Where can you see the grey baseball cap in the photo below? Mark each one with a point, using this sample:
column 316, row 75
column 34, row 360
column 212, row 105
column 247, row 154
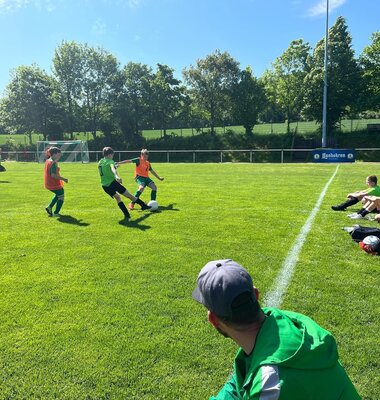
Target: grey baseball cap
column 218, row 285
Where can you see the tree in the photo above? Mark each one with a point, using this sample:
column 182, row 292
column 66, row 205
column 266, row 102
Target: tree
column 167, row 94
column 248, row 100
column 211, row 82
column 288, row 74
column 68, row 67
column 370, row 61
column 131, row 102
column 32, row 103
column 99, row 79
column 344, row 77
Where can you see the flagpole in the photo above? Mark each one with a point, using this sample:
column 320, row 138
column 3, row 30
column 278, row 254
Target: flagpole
column 324, row 116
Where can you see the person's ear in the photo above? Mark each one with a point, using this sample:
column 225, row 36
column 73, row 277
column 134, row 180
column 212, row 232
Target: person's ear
column 257, row 293
column 213, row 319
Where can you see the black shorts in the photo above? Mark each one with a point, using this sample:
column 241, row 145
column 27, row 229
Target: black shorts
column 113, row 188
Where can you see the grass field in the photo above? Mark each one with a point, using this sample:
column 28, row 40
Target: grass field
column 94, row 309
column 263, row 129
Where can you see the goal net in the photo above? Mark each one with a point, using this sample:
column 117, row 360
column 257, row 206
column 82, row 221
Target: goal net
column 71, row 150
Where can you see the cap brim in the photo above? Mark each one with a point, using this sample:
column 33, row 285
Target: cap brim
column 197, row 295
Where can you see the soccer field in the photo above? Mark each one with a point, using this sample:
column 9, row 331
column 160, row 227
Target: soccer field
column 94, row 309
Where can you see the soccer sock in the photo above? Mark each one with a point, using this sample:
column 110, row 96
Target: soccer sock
column 361, row 210
column 59, row 206
column 137, row 194
column 53, row 201
column 123, row 209
column 364, row 212
column 153, row 195
column 140, row 202
column 349, row 202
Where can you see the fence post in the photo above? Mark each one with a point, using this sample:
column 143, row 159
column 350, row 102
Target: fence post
column 193, row 156
column 221, row 156
column 167, row 157
column 282, row 156
column 96, row 156
column 16, row 155
column 250, row 156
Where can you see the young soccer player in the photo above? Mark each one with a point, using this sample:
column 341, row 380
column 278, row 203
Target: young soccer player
column 111, row 182
column 353, row 198
column 54, row 181
column 142, row 169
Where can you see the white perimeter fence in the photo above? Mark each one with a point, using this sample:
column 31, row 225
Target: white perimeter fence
column 219, row 156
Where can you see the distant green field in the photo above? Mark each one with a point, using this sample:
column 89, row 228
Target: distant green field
column 262, row 129
column 93, row 309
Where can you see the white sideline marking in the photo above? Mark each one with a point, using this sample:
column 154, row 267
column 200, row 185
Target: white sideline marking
column 274, row 297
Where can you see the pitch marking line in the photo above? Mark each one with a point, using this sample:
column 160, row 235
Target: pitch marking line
column 274, row 297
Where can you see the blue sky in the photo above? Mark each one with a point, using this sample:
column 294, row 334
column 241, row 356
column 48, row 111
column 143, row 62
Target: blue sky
column 173, row 32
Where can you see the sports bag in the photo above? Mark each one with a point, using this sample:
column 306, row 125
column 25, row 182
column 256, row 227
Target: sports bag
column 360, row 232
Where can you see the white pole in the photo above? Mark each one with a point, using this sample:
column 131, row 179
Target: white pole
column 324, row 117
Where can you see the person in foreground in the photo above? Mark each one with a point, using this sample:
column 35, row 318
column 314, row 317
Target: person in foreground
column 54, row 181
column 112, row 183
column 354, row 198
column 283, row 355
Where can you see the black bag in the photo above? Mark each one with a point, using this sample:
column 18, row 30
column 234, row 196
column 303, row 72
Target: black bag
column 360, row 232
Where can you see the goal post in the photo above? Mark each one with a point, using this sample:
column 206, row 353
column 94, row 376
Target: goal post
column 71, row 150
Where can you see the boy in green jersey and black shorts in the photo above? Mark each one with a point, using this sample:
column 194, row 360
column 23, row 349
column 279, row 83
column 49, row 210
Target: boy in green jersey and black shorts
column 111, row 182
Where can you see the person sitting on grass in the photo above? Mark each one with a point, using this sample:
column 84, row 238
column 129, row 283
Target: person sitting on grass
column 354, row 198
column 54, row 181
column 370, row 204
column 283, row 354
column 111, row 182
column 142, row 169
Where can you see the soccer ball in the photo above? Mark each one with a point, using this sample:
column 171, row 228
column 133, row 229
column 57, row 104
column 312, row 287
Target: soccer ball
column 153, row 205
column 370, row 244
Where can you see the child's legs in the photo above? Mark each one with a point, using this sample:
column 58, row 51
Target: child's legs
column 53, row 200
column 128, row 195
column 61, row 199
column 153, row 194
column 139, row 191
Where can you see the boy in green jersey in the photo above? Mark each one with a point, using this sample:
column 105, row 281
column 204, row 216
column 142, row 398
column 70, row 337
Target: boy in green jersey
column 283, row 355
column 354, row 198
column 111, row 182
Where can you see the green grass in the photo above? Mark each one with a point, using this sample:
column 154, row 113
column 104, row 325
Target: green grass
column 93, row 309
column 262, row 129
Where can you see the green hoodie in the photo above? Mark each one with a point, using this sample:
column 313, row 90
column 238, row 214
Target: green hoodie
column 293, row 359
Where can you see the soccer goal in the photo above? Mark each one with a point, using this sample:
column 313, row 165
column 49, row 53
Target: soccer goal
column 71, row 150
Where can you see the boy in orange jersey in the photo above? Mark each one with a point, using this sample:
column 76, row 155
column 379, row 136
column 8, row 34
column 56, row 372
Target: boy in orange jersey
column 54, row 181
column 142, row 169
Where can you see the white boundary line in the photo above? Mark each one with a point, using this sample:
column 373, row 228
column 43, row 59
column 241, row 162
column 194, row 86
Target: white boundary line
column 274, row 297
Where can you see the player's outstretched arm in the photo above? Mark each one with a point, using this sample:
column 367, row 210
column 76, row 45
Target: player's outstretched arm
column 156, row 175
column 117, row 177
column 124, row 162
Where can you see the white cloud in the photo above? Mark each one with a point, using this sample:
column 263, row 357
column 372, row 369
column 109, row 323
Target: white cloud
column 99, row 27
column 14, row 5
column 320, row 8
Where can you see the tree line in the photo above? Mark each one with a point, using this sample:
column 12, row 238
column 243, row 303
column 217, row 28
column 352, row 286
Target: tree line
column 89, row 90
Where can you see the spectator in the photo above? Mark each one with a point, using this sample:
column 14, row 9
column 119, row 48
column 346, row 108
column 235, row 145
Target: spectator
column 283, row 355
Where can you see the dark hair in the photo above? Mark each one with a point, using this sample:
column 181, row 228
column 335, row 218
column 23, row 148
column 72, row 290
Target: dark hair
column 246, row 310
column 52, row 150
column 373, row 179
column 107, row 151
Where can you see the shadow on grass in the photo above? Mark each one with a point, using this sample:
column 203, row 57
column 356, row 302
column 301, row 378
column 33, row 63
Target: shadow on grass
column 68, row 219
column 5, row 181
column 135, row 223
column 169, row 207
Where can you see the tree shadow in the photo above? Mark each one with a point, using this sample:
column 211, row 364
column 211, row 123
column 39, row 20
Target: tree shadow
column 68, row 219
column 135, row 223
column 5, row 182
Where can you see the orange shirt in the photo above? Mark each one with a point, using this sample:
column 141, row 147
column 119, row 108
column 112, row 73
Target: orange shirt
column 51, row 183
column 142, row 168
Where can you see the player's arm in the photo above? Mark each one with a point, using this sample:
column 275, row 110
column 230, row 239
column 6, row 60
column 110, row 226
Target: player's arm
column 155, row 174
column 54, row 174
column 124, row 162
column 117, row 177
